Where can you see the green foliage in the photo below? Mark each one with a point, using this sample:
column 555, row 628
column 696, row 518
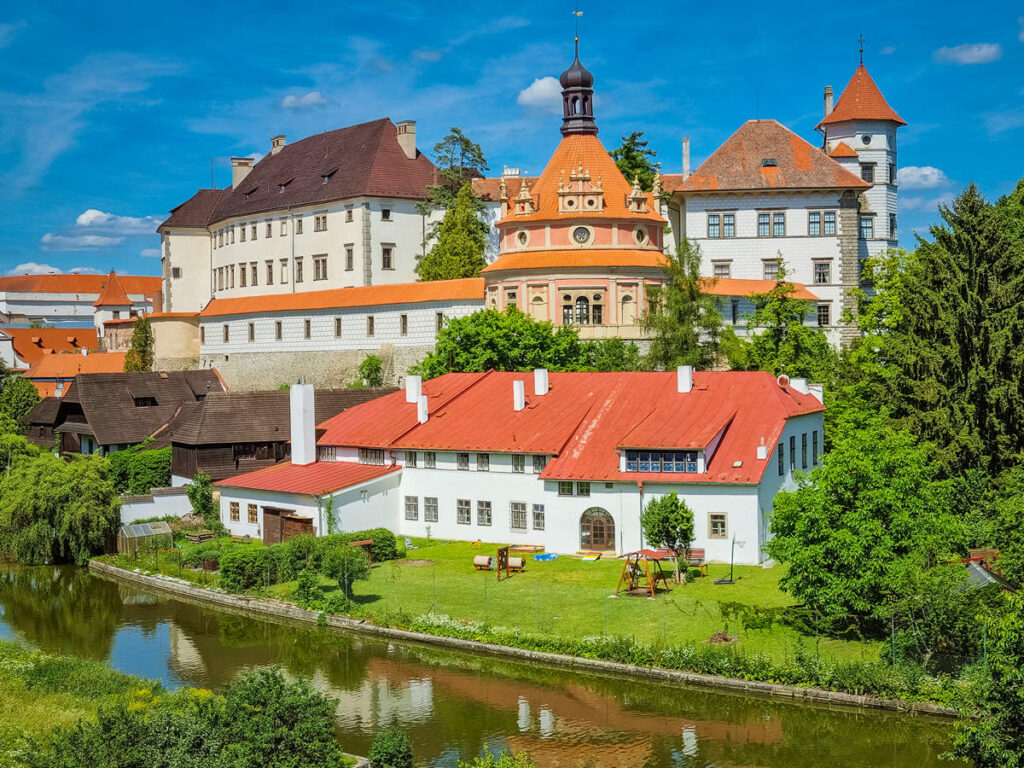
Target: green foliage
column 457, row 158
column 684, row 321
column 307, row 592
column 346, row 565
column 391, row 748
column 200, row 496
column 501, row 760
column 245, row 568
column 612, row 354
column 460, row 241
column 140, row 354
column 991, row 732
column 18, row 397
column 636, row 160
column 668, row 522
column 138, row 469
column 371, row 371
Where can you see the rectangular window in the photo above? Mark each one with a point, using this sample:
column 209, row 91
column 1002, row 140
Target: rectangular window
column 430, row 509
column 463, row 512
column 242, row 232
column 284, row 271
column 538, row 517
column 734, row 308
column 349, row 259
column 483, row 513
column 814, row 223
column 803, row 451
column 822, row 273
column 243, row 275
column 728, row 225
column 270, row 273
column 867, row 227
column 892, row 226
column 778, row 225
column 225, row 331
column 348, row 213
column 714, row 225
column 722, row 270
column 483, row 462
column 717, row 528
column 892, row 173
column 792, row 452
column 385, row 214
column 582, row 489
column 462, row 461
column 320, row 222
column 763, row 225
column 202, row 334
column 369, row 325
column 270, row 229
column 371, row 456
column 320, row 267
column 438, row 321
column 429, row 459
column 307, row 328
column 410, row 458
column 814, row 447
column 830, row 222
column 867, row 172
column 252, row 332
column 231, row 279
column 253, row 517
column 298, row 270
column 176, row 272
column 252, row 230
column 234, row 511
column 412, row 507
column 824, row 314
column 284, row 227
column 298, row 225
column 564, row 488
column 278, row 330
column 518, row 463
column 771, row 269
column 337, row 327
column 782, row 460
column 539, row 462
column 518, row 515
column 403, row 325
column 326, row 453
column 386, row 259
column 253, row 273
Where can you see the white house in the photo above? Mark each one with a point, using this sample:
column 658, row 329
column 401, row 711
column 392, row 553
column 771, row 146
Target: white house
column 563, row 460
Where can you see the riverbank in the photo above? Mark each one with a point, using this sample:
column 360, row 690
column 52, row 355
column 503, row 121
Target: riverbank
column 442, row 633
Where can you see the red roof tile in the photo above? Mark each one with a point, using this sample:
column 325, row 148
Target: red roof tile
column 155, row 315
column 69, row 364
column 861, row 100
column 842, row 149
column 309, row 479
column 113, row 293
column 734, row 286
column 743, row 162
column 490, row 189
column 467, row 289
column 30, row 344
column 134, row 284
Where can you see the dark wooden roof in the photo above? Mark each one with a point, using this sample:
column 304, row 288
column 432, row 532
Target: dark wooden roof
column 250, row 417
column 45, row 412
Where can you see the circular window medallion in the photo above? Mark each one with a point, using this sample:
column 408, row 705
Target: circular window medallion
column 522, row 238
column 866, row 139
column 570, row 203
column 639, row 236
column 581, row 235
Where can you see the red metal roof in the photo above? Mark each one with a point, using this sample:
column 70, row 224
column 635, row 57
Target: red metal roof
column 861, row 100
column 30, row 344
column 310, row 479
column 585, row 418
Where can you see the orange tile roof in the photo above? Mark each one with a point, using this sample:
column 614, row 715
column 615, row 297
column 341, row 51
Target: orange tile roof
column 578, row 257
column 121, row 321
column 133, row 284
column 739, row 164
column 861, row 100
column 113, row 293
column 490, row 189
column 842, row 149
column 68, row 365
column 308, row 479
column 572, row 151
column 733, row 286
column 30, row 344
column 467, row 289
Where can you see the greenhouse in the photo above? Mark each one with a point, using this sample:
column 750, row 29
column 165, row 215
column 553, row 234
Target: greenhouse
column 145, row 537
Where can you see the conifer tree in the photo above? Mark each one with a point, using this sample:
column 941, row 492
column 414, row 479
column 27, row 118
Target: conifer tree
column 140, row 356
column 461, row 239
column 635, row 160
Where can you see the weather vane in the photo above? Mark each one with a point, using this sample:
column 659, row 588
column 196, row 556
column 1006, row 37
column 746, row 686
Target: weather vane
column 861, row 38
column 576, row 18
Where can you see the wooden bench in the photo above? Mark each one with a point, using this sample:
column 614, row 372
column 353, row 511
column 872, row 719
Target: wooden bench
column 366, row 545
column 482, row 562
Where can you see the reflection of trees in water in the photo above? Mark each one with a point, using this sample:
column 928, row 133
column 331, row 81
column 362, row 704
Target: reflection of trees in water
column 60, row 609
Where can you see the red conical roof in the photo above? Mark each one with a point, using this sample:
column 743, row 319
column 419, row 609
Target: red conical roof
column 861, row 100
column 113, row 294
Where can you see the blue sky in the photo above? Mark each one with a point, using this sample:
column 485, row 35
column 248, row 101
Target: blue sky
column 111, row 112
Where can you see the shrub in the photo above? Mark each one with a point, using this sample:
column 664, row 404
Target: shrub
column 307, row 592
column 345, row 565
column 371, row 371
column 246, row 567
column 391, row 748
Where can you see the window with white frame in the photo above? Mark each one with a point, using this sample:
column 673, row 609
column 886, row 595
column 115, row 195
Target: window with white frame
column 463, row 512
column 429, row 460
column 728, row 225
column 582, row 489
column 822, row 272
column 539, row 462
column 517, row 510
column 483, row 513
column 430, row 509
column 661, row 461
column 371, row 456
column 518, row 463
column 564, row 488
column 538, row 517
column 483, row 462
column 722, row 270
column 412, row 507
column 718, row 525
column 320, row 267
column 462, row 461
column 771, row 269
column 410, row 458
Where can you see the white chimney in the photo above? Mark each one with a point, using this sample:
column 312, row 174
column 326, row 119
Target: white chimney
column 828, row 100
column 85, row 352
column 684, row 378
column 303, row 426
column 407, row 137
column 240, row 167
column 686, row 157
column 518, row 395
column 413, row 388
column 818, row 390
column 762, row 451
column 277, row 144
column 800, row 385
column 59, row 389
column 422, row 412
column 540, row 381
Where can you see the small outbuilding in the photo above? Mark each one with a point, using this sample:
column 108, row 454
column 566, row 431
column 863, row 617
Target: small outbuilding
column 145, row 537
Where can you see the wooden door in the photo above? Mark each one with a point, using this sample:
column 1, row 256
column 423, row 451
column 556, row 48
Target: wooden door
column 292, row 525
column 272, row 525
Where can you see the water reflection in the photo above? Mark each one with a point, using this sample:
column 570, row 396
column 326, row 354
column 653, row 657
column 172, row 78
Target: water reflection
column 454, row 704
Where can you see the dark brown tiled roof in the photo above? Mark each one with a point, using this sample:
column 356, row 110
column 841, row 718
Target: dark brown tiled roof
column 363, row 159
column 107, row 401
column 764, row 154
column 44, row 413
column 244, row 417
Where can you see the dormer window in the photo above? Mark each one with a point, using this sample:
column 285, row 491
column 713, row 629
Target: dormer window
column 661, row 461
column 145, row 402
column 769, row 162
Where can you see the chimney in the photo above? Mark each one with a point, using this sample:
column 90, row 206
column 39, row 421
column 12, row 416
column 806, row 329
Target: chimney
column 686, row 157
column 407, row 137
column 800, row 385
column 518, row 395
column 684, row 378
column 762, row 451
column 59, row 389
column 818, row 390
column 422, row 413
column 277, row 144
column 413, row 388
column 303, row 424
column 85, row 352
column 540, row 381
column 828, row 100
column 240, row 167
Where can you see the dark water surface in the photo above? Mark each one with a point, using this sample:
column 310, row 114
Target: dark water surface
column 454, row 704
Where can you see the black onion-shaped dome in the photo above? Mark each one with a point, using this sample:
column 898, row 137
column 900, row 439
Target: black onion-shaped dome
column 577, row 76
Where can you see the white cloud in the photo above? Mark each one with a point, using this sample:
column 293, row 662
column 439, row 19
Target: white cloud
column 921, row 177
column 925, row 203
column 150, row 253
column 35, row 268
column 118, row 225
column 543, row 93
column 8, row 31
column 306, row 101
column 970, row 53
column 998, row 122
column 888, row 50
column 52, row 242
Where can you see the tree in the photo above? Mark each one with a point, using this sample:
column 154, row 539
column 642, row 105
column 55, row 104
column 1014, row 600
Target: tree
column 17, row 398
column 635, row 160
column 346, row 565
column 685, row 321
column 457, row 158
column 612, row 354
column 668, row 522
column 200, row 496
column 391, row 748
column 991, row 731
column 371, row 371
column 460, row 241
column 140, row 355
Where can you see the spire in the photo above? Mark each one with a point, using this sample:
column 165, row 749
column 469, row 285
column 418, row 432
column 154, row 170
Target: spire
column 861, row 38
column 861, row 100
column 577, row 97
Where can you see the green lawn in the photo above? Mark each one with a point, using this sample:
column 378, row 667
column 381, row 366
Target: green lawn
column 571, row 597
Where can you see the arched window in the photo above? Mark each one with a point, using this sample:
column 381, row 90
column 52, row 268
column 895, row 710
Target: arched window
column 628, row 314
column 582, row 311
column 597, row 530
column 575, row 105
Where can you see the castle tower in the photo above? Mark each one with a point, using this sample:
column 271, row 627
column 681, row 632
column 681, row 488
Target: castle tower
column 577, row 98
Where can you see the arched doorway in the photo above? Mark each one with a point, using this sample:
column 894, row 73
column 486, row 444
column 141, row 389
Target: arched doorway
column 597, row 530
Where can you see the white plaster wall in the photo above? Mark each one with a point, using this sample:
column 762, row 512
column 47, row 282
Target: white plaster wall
column 157, row 505
column 70, row 309
column 189, row 251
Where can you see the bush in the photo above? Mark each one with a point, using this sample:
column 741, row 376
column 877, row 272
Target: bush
column 391, row 749
column 246, row 567
column 345, row 565
column 371, row 371
column 307, row 592
column 139, row 469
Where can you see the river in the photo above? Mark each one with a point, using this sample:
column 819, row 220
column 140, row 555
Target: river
column 454, row 704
